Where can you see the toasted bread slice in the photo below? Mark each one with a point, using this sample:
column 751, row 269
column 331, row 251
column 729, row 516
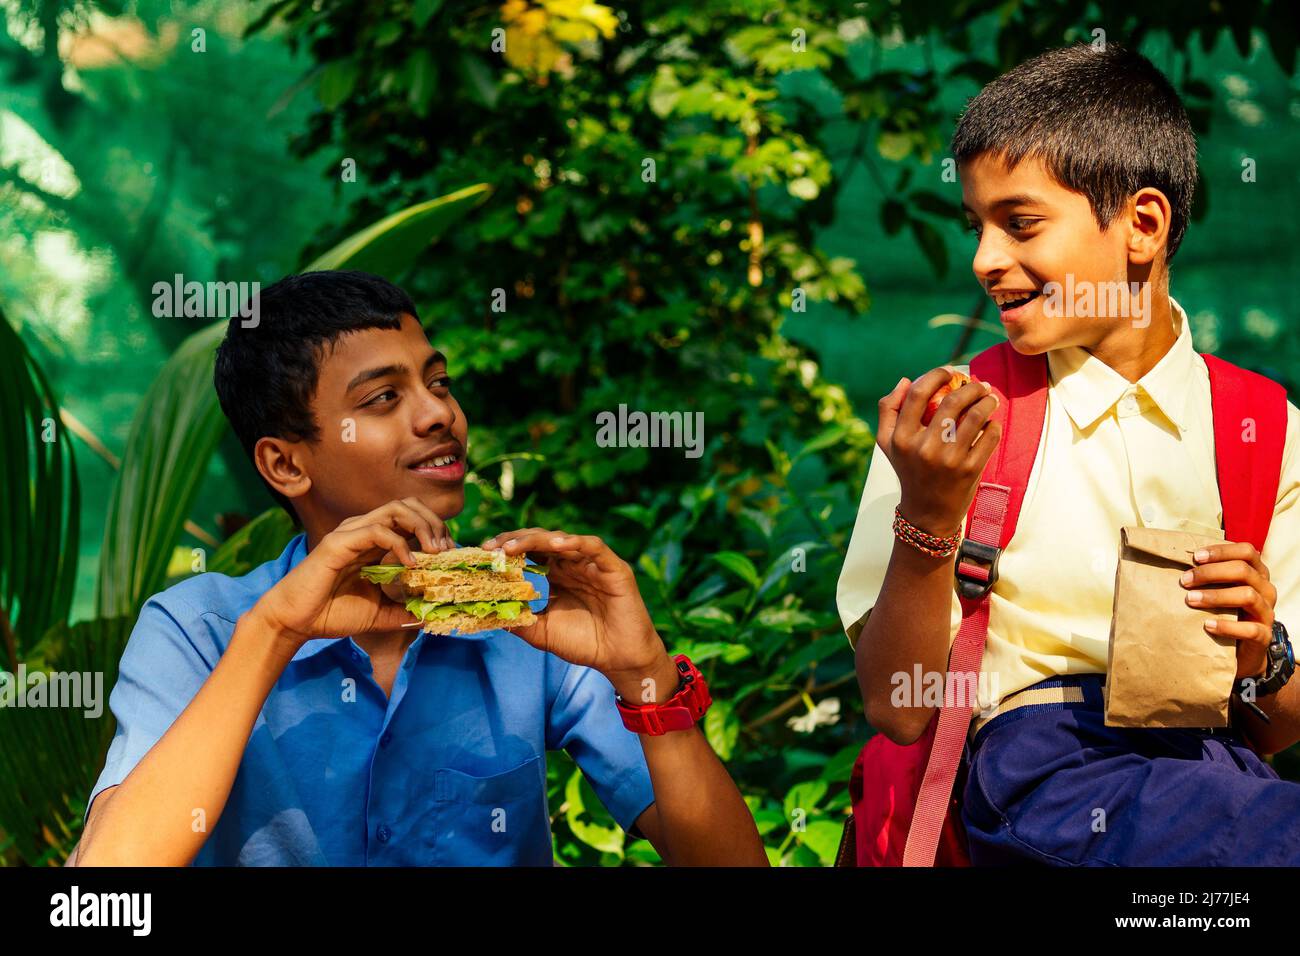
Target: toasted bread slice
column 476, row 558
column 469, row 624
column 461, row 592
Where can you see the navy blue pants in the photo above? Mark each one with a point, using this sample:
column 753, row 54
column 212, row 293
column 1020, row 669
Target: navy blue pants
column 1053, row 784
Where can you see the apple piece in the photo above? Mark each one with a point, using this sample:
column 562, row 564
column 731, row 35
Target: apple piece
column 955, row 381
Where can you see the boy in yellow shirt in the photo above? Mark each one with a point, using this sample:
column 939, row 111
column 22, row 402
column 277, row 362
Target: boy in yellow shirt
column 1078, row 169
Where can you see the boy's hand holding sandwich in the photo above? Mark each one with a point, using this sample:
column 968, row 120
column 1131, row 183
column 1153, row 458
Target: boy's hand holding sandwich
column 595, row 616
column 326, row 596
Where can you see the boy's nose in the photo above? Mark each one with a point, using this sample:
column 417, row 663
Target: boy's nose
column 991, row 261
column 433, row 414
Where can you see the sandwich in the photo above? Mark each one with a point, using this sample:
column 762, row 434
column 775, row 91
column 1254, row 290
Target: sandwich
column 464, row 590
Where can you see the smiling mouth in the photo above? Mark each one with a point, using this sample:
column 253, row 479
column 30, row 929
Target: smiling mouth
column 1006, row 301
column 441, row 467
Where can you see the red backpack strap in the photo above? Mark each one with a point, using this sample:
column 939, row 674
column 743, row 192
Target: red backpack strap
column 1020, row 382
column 1249, row 435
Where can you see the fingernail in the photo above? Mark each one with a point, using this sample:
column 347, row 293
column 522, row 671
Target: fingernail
column 1193, row 597
column 900, row 383
column 1187, row 577
column 1202, row 555
column 559, row 539
column 1211, row 625
column 489, row 543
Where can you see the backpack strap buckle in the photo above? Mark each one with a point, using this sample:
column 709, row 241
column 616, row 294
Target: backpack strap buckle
column 976, row 568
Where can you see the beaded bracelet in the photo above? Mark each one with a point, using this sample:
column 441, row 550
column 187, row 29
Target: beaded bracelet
column 930, row 544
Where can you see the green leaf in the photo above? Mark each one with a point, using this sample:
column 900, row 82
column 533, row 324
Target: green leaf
column 826, row 439
column 634, row 512
column 422, row 75
column 480, row 82
column 337, row 82
column 173, row 436
column 739, row 565
column 39, row 503
column 606, row 839
column 823, row 838
column 702, row 651
column 932, row 244
column 893, row 214
column 262, row 539
column 709, row 617
column 665, row 90
column 722, row 729
column 804, row 796
column 392, row 245
column 434, row 611
column 425, row 10
column 936, row 205
column 382, row 573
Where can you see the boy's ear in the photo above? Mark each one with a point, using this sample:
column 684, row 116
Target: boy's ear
column 281, row 464
column 1149, row 222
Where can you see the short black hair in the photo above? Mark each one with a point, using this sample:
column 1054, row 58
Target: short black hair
column 266, row 374
column 1103, row 120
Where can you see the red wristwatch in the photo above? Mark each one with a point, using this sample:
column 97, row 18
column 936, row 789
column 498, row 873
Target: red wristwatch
column 679, row 712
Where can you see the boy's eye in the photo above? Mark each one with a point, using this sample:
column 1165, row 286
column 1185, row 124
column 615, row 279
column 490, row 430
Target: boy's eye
column 441, row 382
column 376, row 399
column 1018, row 224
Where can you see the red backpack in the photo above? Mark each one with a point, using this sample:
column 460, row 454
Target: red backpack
column 906, row 810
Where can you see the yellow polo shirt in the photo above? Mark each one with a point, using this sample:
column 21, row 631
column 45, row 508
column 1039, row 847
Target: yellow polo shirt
column 1113, row 453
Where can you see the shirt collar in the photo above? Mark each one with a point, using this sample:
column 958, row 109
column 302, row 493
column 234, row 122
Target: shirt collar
column 1088, row 387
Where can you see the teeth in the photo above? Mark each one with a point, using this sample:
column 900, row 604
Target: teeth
column 1002, row 298
column 437, row 462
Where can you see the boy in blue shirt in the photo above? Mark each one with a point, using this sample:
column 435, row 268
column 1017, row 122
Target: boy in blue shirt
column 293, row 716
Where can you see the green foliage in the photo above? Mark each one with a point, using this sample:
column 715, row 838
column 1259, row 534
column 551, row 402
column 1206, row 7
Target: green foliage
column 393, row 243
column 40, row 502
column 172, row 439
column 52, row 755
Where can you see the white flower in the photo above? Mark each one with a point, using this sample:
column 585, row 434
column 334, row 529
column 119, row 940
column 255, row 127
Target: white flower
column 826, row 712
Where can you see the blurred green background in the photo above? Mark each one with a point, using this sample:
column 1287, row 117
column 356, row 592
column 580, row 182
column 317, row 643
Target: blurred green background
column 794, row 252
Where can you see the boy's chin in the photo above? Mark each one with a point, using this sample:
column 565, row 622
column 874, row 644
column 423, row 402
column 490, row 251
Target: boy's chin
column 444, row 500
column 1026, row 341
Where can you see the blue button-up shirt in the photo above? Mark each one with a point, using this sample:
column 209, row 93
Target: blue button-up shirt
column 449, row 770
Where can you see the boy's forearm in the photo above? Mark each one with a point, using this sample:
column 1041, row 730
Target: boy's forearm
column 152, row 818
column 702, row 817
column 910, row 624
column 1283, row 729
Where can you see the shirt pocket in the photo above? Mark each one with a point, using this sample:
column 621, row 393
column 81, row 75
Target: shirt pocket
column 496, row 820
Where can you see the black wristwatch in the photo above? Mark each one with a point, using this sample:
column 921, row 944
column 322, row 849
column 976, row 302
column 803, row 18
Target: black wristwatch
column 1281, row 665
